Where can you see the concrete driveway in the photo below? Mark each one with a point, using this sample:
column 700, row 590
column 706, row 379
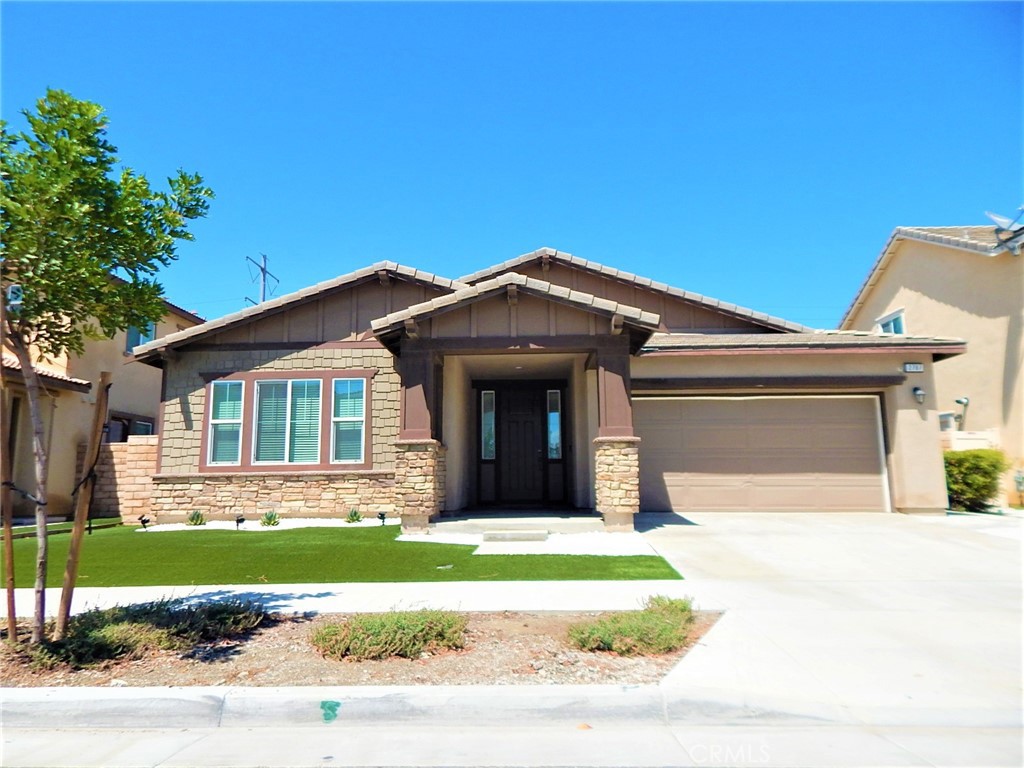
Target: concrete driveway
column 886, row 621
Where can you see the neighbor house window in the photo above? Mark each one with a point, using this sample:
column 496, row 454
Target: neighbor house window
column 287, row 429
column 892, row 323
column 348, row 421
column 226, row 423
column 137, row 336
column 554, row 424
column 487, row 433
column 947, row 421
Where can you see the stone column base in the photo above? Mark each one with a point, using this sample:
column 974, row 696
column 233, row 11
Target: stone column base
column 419, row 483
column 617, row 481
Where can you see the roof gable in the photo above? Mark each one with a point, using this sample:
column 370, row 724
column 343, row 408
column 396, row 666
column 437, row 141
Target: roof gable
column 974, row 239
column 728, row 317
column 384, row 270
column 639, row 323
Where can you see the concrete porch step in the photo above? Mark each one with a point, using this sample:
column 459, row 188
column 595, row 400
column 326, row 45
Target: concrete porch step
column 551, row 523
column 522, row 534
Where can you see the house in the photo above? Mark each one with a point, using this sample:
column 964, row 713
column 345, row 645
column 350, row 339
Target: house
column 547, row 381
column 70, row 384
column 964, row 282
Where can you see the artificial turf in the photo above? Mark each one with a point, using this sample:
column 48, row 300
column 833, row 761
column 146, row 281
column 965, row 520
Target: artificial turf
column 119, row 557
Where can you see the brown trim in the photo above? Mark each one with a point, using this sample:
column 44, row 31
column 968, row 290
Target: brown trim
column 249, row 379
column 271, row 346
column 198, row 476
column 515, row 345
column 750, row 382
column 862, row 349
column 208, row 376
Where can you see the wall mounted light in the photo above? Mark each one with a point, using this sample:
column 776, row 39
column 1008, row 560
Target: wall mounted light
column 919, row 395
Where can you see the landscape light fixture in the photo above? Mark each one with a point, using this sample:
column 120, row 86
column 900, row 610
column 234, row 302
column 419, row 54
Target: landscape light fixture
column 238, row 521
column 381, row 516
column 961, row 417
column 145, row 521
column 919, row 395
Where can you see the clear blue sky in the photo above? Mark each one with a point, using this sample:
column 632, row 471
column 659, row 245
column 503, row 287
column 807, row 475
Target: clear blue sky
column 757, row 153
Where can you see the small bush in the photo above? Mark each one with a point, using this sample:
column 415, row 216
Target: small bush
column 662, row 626
column 353, row 516
column 972, row 477
column 129, row 632
column 195, row 517
column 270, row 519
column 382, row 635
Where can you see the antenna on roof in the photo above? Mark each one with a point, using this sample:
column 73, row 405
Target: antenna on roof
column 261, row 267
column 1009, row 232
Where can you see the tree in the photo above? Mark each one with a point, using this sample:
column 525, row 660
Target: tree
column 84, row 242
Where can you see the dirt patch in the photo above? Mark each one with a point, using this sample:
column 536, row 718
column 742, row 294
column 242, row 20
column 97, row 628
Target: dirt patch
column 501, row 649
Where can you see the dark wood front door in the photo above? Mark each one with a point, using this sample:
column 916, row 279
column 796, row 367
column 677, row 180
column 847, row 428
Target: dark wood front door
column 521, row 443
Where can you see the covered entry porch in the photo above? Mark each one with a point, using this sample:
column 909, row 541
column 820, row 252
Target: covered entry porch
column 515, row 400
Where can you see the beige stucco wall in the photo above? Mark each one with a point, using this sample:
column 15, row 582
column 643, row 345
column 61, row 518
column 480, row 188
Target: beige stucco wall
column 914, row 453
column 950, row 292
column 185, row 403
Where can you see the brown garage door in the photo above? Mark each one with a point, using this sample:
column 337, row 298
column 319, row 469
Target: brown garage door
column 768, row 454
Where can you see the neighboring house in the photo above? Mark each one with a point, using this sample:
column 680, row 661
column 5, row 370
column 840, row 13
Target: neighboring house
column 958, row 281
column 545, row 382
column 70, row 383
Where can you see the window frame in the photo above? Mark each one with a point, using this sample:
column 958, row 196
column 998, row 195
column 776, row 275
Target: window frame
column 363, row 420
column 324, row 463
column 289, row 383
column 900, row 315
column 144, row 338
column 211, row 422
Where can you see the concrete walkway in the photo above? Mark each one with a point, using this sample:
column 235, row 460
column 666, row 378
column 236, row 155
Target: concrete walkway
column 848, row 640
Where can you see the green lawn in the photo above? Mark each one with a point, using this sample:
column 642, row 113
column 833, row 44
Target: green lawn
column 123, row 557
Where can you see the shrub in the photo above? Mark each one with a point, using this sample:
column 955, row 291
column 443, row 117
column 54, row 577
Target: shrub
column 129, row 632
column 972, row 477
column 353, row 516
column 270, row 519
column 195, row 517
column 662, row 626
column 382, row 635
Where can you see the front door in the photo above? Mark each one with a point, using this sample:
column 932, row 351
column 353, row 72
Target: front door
column 521, row 451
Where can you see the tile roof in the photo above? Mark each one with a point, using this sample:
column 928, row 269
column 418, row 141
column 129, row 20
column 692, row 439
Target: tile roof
column 979, row 239
column 529, row 285
column 148, row 351
column 10, row 362
column 816, row 340
column 760, row 318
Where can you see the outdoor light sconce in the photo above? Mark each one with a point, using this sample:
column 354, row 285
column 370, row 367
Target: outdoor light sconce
column 238, row 522
column 145, row 521
column 919, row 395
column 381, row 516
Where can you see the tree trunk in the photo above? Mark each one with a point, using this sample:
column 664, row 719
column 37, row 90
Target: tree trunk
column 40, row 452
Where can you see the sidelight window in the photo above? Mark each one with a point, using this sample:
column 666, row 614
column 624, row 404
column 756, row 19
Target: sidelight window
column 488, row 438
column 554, row 424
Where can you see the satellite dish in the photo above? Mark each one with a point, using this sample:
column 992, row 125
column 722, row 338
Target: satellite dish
column 1009, row 232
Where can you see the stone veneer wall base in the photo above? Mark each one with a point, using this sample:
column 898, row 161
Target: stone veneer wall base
column 319, row 494
column 419, row 483
column 617, row 481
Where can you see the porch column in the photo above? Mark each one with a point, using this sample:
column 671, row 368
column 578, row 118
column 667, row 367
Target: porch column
column 420, row 459
column 616, row 448
column 417, row 372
